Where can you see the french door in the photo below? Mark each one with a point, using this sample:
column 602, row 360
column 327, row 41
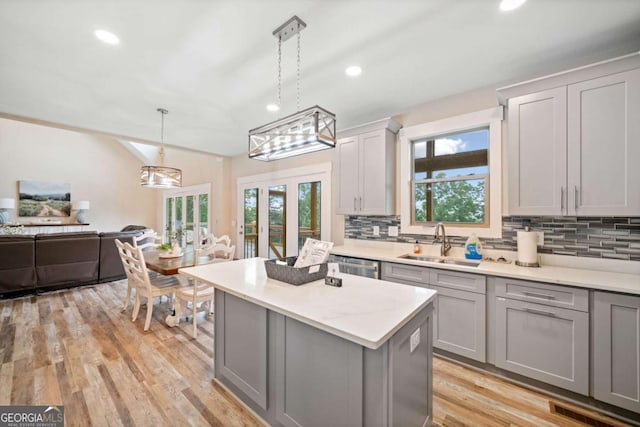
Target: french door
column 277, row 212
column 186, row 215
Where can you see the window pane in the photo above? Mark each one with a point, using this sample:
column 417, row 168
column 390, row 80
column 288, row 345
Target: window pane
column 277, row 221
column 463, row 154
column 251, row 223
column 308, row 212
column 460, row 201
column 179, row 223
column 189, row 221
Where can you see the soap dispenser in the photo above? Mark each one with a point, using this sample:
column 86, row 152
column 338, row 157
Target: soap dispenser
column 416, row 248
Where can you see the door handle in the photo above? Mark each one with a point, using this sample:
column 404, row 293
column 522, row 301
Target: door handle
column 360, row 203
column 562, row 199
column 542, row 312
column 239, row 232
column 575, row 196
column 354, row 203
column 537, row 295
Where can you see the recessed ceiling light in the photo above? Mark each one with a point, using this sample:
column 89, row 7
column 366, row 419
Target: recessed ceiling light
column 507, row 5
column 272, row 107
column 353, row 71
column 107, row 37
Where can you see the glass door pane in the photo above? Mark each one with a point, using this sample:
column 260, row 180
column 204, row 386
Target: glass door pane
column 179, row 227
column 251, row 216
column 169, row 225
column 309, row 203
column 203, row 212
column 189, row 225
column 277, row 221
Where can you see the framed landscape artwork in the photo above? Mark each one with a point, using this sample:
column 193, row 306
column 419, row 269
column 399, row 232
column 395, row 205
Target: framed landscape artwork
column 44, row 199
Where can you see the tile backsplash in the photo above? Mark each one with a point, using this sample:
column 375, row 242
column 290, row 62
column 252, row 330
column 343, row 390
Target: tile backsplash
column 598, row 237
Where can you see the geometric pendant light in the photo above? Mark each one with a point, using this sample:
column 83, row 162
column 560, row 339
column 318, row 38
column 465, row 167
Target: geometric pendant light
column 303, row 132
column 161, row 176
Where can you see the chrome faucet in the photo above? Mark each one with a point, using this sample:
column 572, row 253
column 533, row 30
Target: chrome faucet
column 446, row 245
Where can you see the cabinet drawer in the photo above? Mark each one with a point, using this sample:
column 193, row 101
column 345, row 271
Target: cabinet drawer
column 409, row 274
column 543, row 293
column 461, row 281
column 549, row 344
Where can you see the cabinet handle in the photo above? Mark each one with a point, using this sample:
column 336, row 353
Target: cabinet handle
column 375, row 272
column 575, row 196
column 537, row 295
column 562, row 199
column 354, row 203
column 542, row 312
column 360, row 203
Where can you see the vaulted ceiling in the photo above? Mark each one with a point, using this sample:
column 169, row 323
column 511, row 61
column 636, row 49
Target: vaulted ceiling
column 213, row 65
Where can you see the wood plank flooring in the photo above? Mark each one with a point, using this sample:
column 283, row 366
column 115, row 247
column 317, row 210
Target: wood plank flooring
column 78, row 349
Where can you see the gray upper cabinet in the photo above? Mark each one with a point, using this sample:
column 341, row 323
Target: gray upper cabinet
column 572, row 145
column 537, row 153
column 603, row 135
column 365, row 160
column 616, row 349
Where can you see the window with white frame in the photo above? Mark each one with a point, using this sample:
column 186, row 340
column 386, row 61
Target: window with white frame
column 451, row 170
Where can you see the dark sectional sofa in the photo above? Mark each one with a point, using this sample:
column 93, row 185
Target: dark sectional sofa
column 43, row 262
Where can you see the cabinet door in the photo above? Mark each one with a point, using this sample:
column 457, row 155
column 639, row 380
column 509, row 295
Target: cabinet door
column 459, row 323
column 373, row 182
column 616, row 350
column 537, row 153
column 545, row 343
column 603, row 145
column 347, row 153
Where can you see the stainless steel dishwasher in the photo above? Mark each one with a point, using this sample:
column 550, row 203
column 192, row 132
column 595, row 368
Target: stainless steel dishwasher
column 357, row 266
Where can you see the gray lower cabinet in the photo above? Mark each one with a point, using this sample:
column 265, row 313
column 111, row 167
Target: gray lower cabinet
column 459, row 323
column 546, row 343
column 293, row 374
column 616, row 349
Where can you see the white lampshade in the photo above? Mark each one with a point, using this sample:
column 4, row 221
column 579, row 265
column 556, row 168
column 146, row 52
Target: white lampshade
column 7, row 203
column 82, row 204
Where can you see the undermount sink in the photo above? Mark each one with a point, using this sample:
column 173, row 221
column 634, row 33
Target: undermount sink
column 421, row 258
column 461, row 262
column 454, row 261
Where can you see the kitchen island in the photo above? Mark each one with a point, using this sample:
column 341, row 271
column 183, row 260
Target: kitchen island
column 320, row 355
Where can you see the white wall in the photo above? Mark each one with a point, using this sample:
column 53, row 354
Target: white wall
column 459, row 104
column 100, row 169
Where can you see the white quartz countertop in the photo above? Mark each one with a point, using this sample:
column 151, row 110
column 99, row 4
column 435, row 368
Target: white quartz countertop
column 581, row 277
column 365, row 311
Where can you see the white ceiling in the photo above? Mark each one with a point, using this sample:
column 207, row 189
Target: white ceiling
column 212, row 64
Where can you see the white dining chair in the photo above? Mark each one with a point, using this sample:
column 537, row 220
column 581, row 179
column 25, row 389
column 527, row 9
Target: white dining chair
column 198, row 293
column 148, row 239
column 138, row 279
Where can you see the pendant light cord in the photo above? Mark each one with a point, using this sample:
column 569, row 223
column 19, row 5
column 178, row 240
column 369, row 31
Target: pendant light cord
column 279, row 70
column 162, row 112
column 298, row 82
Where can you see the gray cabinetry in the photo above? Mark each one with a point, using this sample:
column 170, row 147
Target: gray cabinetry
column 407, row 274
column 459, row 315
column 572, row 147
column 537, row 338
column 616, row 349
column 242, row 362
column 365, row 158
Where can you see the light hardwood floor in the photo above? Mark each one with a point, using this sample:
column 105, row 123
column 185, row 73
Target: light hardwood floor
column 78, row 349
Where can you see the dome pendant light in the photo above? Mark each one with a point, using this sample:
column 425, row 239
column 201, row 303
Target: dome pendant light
column 161, row 176
column 306, row 131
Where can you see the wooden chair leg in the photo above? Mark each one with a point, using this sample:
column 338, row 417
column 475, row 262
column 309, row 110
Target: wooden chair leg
column 149, row 312
column 126, row 301
column 136, row 307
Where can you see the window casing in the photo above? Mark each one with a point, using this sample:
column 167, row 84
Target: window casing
column 462, row 169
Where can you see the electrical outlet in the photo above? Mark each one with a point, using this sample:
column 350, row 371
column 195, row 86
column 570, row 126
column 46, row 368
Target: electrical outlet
column 415, row 340
column 376, row 230
column 393, row 231
column 540, row 235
